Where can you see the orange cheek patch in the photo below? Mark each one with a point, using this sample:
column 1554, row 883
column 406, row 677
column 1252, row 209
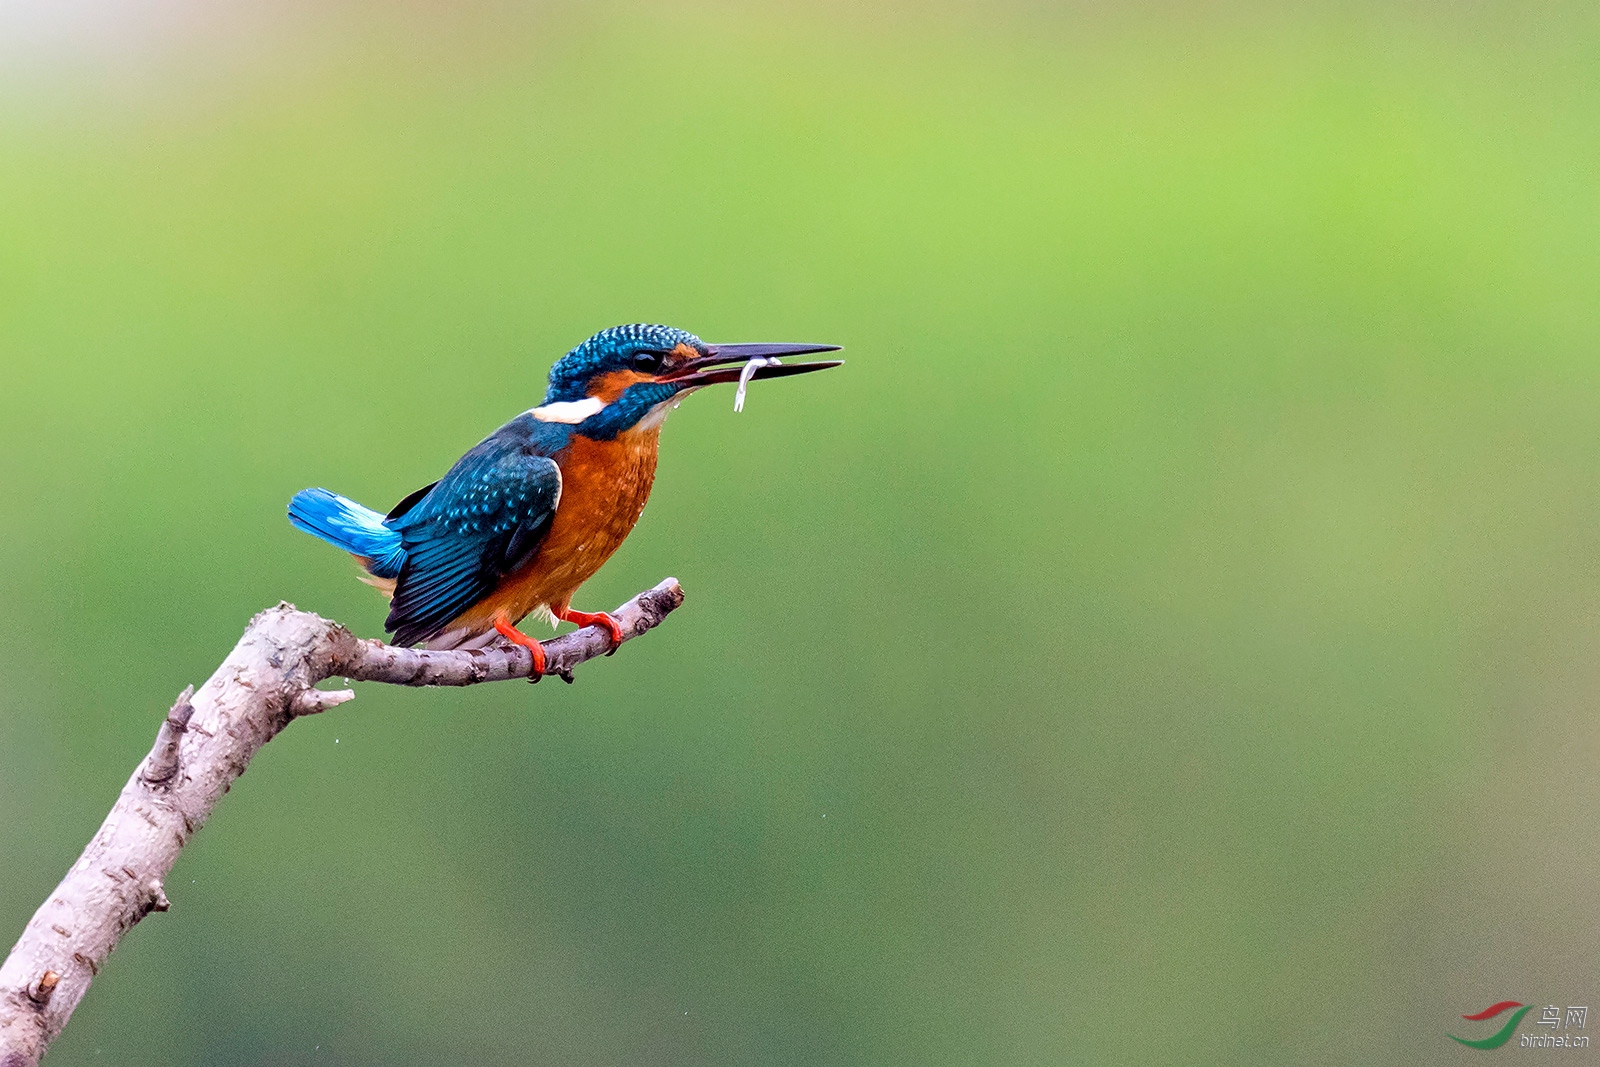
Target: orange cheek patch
column 608, row 387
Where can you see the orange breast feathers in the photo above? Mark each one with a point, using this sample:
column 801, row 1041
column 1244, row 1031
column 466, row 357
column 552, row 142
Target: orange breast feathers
column 604, row 487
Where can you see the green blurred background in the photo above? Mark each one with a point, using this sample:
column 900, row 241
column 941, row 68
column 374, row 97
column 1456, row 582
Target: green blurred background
column 1173, row 638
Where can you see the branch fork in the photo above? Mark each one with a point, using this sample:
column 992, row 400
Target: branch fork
column 206, row 741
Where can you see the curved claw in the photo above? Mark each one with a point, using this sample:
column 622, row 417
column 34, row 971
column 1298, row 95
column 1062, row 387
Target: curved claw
column 594, row 618
column 503, row 626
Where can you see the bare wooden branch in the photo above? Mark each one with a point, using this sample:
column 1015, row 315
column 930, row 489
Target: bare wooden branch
column 162, row 763
column 206, row 741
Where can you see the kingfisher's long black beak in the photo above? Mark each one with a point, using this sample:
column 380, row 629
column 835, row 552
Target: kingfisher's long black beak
column 725, row 363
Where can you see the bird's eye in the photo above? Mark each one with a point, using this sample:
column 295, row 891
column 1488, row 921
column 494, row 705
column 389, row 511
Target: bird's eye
column 647, row 362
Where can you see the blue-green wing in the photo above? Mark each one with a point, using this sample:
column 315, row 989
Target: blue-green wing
column 482, row 521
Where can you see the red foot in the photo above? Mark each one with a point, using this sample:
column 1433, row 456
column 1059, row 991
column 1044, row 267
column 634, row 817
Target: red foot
column 595, row 618
column 503, row 626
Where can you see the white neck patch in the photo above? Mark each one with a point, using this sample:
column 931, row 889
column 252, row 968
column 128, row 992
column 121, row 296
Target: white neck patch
column 570, row 412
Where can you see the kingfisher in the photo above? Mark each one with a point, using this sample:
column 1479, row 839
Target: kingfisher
column 533, row 510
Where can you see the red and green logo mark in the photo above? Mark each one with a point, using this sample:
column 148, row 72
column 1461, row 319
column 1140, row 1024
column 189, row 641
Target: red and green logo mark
column 1501, row 1036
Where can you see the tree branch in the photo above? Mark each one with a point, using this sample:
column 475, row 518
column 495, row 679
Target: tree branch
column 206, row 741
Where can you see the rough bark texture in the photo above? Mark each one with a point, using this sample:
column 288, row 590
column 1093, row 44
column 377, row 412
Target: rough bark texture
column 206, row 741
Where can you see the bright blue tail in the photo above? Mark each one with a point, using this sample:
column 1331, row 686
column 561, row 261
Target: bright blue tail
column 345, row 524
